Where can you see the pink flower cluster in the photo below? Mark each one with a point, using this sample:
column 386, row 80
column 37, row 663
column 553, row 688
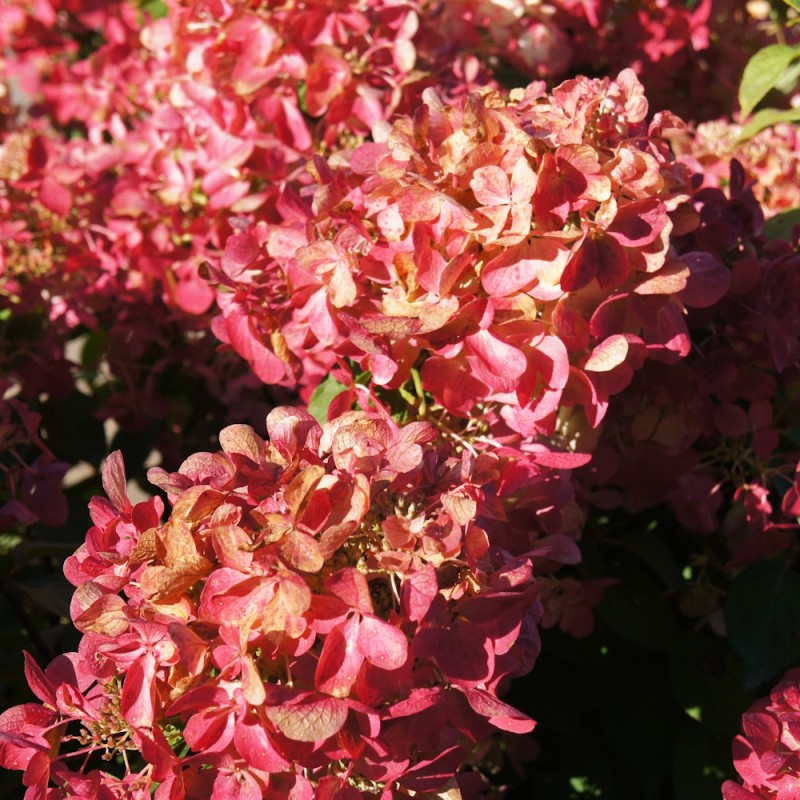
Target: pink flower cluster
column 515, row 252
column 329, row 613
column 229, row 101
column 139, row 156
column 767, row 754
column 73, row 263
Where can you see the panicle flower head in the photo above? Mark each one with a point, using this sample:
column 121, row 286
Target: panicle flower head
column 338, row 604
column 767, row 754
column 514, row 250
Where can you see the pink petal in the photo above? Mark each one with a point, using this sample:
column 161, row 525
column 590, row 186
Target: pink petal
column 241, row 250
column 312, row 719
column 301, row 551
column 137, row 703
column 518, row 268
column 610, row 353
column 384, row 645
column 252, row 741
column 340, row 660
column 321, row 319
column 225, row 198
column 194, row 296
column 495, row 363
column 114, row 482
column 523, row 181
column 490, row 186
column 237, row 328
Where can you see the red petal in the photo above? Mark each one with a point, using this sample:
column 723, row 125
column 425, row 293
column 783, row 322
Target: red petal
column 495, row 363
column 137, row 703
column 461, row 651
column 418, row 592
column 730, row 420
column 638, row 224
column 55, row 197
column 500, row 714
column 340, row 660
column 350, row 586
column 582, row 267
column 452, row 385
column 612, row 263
column 38, row 681
column 708, row 282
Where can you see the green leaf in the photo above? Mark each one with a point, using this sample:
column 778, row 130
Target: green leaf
column 9, row 542
column 789, row 79
column 762, row 615
column 323, row 396
column 302, row 91
column 795, row 4
column 780, row 226
column 762, row 73
column 155, row 8
column 765, row 119
column 582, row 787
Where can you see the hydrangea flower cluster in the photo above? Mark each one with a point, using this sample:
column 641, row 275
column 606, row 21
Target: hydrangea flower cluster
column 766, row 754
column 73, row 266
column 113, row 198
column 515, row 251
column 331, row 611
